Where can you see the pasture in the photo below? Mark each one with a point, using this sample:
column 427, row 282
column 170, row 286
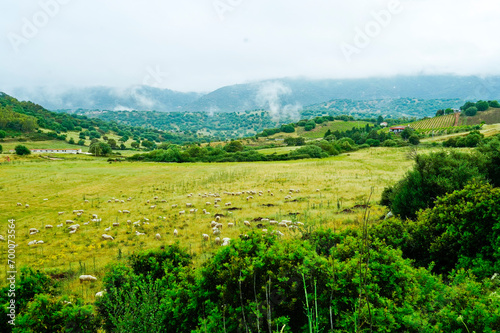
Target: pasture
column 328, row 193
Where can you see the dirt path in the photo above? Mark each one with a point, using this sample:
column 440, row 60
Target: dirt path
column 457, row 116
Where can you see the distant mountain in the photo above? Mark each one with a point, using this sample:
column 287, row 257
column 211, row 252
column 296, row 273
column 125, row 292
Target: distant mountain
column 277, row 96
column 142, row 98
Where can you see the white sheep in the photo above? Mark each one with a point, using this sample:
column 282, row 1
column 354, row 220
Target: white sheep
column 32, row 243
column 125, row 211
column 158, row 236
column 73, row 231
column 230, row 225
column 19, row 204
column 217, row 240
column 59, row 225
column 182, row 212
column 152, row 207
column 176, row 233
column 247, row 223
column 2, row 238
column 69, row 221
column 100, row 293
column 216, row 231
column 116, row 224
column 225, row 241
column 139, row 233
column 87, row 278
column 189, row 204
column 60, row 213
column 40, row 242
column 205, row 237
column 107, row 229
column 175, row 206
column 107, row 237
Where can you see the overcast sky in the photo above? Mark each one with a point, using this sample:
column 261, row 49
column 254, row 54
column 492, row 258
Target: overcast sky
column 201, row 45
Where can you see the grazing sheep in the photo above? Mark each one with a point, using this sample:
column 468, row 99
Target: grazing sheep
column 40, row 242
column 189, row 204
column 116, row 224
column 216, row 206
column 158, row 236
column 99, row 293
column 182, row 212
column 205, row 237
column 273, row 222
column 32, row 243
column 230, row 225
column 120, row 211
column 225, row 241
column 27, row 206
column 48, row 226
column 208, row 203
column 107, row 229
column 175, row 206
column 19, row 204
column 176, row 233
column 227, row 204
column 87, row 278
column 264, row 220
column 216, row 231
column 73, row 231
column 35, row 230
column 213, row 224
column 152, row 207
column 60, row 213
column 107, row 237
column 86, row 201
column 217, row 218
column 86, row 223
column 247, row 223
column 139, row 233
column 217, row 240
column 69, row 221
column 59, row 225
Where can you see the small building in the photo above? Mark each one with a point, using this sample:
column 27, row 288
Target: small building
column 56, row 151
column 383, row 124
column 397, row 129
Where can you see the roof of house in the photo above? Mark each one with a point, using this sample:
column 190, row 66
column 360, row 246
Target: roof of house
column 398, row 127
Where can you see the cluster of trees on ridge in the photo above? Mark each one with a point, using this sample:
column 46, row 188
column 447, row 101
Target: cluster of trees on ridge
column 431, row 268
column 20, row 117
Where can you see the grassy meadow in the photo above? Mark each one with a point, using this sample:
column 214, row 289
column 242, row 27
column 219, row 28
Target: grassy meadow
column 329, row 191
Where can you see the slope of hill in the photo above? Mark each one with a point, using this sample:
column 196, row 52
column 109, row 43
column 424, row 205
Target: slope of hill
column 34, row 116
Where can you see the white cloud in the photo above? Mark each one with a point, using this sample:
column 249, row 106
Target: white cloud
column 113, row 42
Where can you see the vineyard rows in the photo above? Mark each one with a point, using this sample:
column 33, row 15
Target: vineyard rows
column 435, row 123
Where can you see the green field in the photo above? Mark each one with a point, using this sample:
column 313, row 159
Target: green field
column 326, row 187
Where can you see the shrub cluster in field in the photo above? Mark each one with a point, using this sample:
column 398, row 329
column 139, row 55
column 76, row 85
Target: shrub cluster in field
column 352, row 281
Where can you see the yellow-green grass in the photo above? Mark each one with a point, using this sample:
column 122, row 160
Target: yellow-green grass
column 490, row 116
column 333, row 126
column 279, row 150
column 343, row 182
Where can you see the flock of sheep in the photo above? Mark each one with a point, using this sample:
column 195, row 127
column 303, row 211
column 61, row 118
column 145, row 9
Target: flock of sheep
column 208, row 200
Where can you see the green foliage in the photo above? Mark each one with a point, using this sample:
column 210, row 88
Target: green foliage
column 100, row 149
column 310, row 125
column 462, row 230
column 298, row 141
column 234, row 146
column 3, row 134
column 472, row 139
column 482, row 105
column 471, row 112
column 1, row 149
column 434, row 175
column 288, row 128
column 494, row 104
column 22, row 150
column 49, row 314
column 414, row 139
column 29, row 283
